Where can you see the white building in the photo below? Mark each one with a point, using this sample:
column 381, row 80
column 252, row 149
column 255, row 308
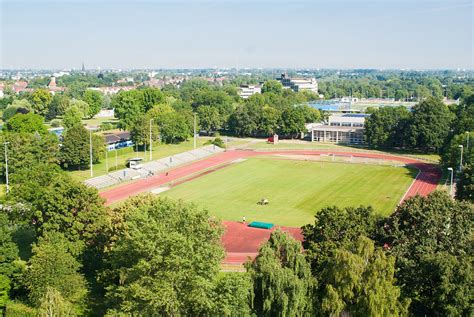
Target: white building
column 299, row 84
column 248, row 90
column 341, row 128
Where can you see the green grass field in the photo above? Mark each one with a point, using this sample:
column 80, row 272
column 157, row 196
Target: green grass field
column 296, row 190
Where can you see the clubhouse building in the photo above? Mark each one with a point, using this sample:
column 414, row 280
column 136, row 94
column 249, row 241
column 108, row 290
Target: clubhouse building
column 341, row 128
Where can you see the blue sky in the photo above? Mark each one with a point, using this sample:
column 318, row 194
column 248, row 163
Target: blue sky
column 418, row 34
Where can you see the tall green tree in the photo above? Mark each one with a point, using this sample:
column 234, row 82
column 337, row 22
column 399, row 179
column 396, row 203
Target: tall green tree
column 282, row 281
column 53, row 266
column 465, row 185
column 58, row 203
column 26, row 150
column 429, row 125
column 335, row 228
column 359, row 281
column 273, row 86
column 233, row 295
column 26, row 123
column 209, row 118
column 76, row 145
column 451, row 154
column 427, row 235
column 292, row 122
column 40, row 100
column 95, row 100
column 385, row 127
column 72, row 117
column 163, row 259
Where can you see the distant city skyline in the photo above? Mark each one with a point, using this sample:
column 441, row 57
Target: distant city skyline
column 423, row 34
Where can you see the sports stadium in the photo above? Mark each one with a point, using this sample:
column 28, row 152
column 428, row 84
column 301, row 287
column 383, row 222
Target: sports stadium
column 280, row 188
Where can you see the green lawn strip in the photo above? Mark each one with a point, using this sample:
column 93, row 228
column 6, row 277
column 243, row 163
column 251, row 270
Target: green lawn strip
column 296, row 190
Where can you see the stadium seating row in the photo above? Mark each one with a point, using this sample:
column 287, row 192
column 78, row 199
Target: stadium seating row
column 153, row 167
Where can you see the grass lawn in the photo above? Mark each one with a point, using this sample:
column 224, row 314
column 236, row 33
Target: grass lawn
column 159, row 150
column 295, row 189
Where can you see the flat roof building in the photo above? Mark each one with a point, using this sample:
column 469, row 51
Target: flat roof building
column 298, row 84
column 340, row 128
column 249, row 90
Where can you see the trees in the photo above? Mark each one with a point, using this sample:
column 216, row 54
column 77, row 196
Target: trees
column 282, row 281
column 292, row 122
column 465, row 115
column 8, row 254
column 140, row 131
column 129, row 105
column 58, row 203
column 163, row 258
column 40, row 100
column 72, row 117
column 95, row 100
column 232, row 295
column 273, row 86
column 76, row 144
column 428, row 235
column 58, row 106
column 209, row 118
column 52, row 266
column 17, row 106
column 385, row 127
column 465, row 185
column 429, row 125
column 359, row 281
column 81, row 105
column 26, row 150
column 335, row 228
column 173, row 127
column 26, row 123
column 451, row 154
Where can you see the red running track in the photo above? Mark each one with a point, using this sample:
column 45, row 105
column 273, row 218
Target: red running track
column 241, row 241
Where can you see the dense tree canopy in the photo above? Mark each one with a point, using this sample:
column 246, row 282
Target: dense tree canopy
column 385, row 127
column 164, row 258
column 95, row 100
column 26, row 123
column 26, row 150
column 40, row 100
column 282, row 279
column 465, row 186
column 58, row 203
column 429, row 125
column 75, row 150
column 431, row 238
column 359, row 281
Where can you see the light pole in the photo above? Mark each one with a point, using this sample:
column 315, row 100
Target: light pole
column 90, row 151
column 151, row 141
column 6, row 167
column 451, row 183
column 106, row 159
column 460, row 162
column 194, row 130
column 116, row 160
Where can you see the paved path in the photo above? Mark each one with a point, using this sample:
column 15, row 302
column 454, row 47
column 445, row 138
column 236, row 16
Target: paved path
column 239, row 240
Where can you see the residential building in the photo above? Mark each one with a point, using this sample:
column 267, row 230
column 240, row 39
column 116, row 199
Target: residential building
column 340, row 128
column 248, row 90
column 53, row 87
column 298, row 84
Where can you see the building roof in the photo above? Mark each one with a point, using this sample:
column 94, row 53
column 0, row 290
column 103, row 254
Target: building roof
column 116, row 137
